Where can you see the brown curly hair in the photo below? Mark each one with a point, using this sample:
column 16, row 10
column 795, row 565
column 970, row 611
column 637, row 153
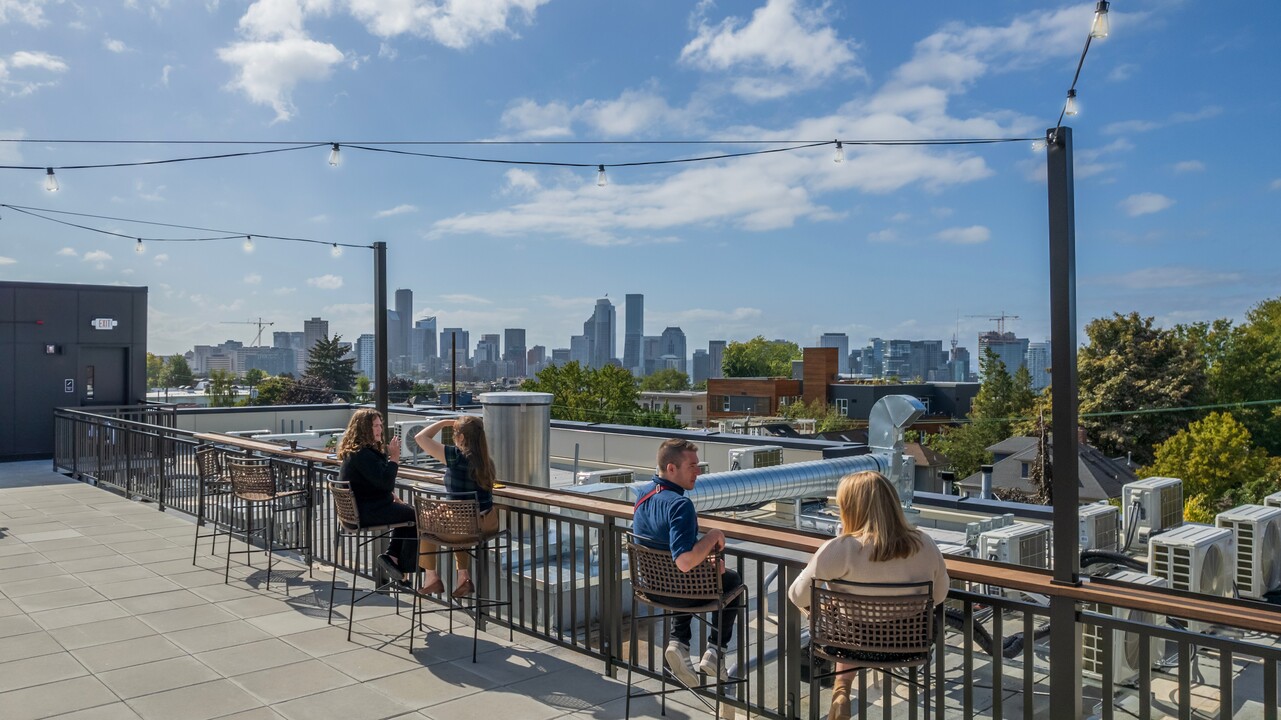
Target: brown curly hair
column 360, row 434
column 469, row 438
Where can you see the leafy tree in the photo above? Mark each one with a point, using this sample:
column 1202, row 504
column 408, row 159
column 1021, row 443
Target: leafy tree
column 1212, row 456
column 825, row 416
column 273, row 391
column 700, row 386
column 606, row 395
column 253, row 376
column 1250, row 371
column 222, row 389
column 1129, row 365
column 665, row 380
column 1001, row 399
column 664, row 418
column 759, row 357
column 1199, row 509
column 155, row 366
column 309, row 390
column 177, row 372
column 327, row 365
column 362, row 389
column 399, row 389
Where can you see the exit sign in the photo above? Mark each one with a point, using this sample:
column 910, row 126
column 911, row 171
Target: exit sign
column 103, row 323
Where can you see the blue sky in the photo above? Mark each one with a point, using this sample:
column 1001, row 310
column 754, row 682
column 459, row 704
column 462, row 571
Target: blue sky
column 1178, row 186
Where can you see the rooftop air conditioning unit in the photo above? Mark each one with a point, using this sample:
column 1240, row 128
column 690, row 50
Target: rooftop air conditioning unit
column 1125, row 646
column 406, row 430
column 704, row 468
column 1151, row 506
column 1194, row 558
column 1273, row 500
column 1018, row 543
column 1258, row 540
column 1100, row 527
column 617, row 476
column 755, row 457
column 956, row 551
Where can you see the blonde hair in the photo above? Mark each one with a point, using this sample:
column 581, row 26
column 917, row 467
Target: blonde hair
column 471, row 431
column 870, row 510
column 360, row 433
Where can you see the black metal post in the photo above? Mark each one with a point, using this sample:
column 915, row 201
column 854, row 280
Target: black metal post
column 1065, row 632
column 380, row 329
column 453, row 371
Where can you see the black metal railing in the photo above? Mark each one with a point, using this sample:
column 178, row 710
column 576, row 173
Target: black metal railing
column 566, row 577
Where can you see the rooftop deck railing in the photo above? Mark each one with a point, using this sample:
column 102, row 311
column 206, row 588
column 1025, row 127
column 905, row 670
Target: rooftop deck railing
column 566, row 577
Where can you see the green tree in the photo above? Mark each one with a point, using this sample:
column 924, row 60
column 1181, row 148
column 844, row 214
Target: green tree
column 253, row 376
column 1250, row 371
column 309, row 390
column 327, row 365
column 607, row 395
column 825, row 416
column 1129, row 366
column 1212, row 456
column 362, row 389
column 273, row 391
column 155, row 366
column 222, row 389
column 1000, row 401
column 759, row 357
column 177, row 373
column 665, row 380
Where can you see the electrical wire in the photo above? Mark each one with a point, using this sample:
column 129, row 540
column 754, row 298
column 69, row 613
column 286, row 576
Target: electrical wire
column 139, row 163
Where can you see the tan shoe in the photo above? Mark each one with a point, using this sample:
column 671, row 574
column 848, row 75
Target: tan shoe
column 840, row 709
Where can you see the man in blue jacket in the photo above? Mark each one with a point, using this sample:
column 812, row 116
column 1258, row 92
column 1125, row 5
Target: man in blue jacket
column 666, row 520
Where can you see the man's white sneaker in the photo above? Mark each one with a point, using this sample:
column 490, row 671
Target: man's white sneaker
column 678, row 661
column 708, row 665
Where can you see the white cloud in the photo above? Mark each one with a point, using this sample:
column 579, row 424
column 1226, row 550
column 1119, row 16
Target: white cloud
column 453, row 23
column 269, row 69
column 883, row 236
column 1145, row 204
column 464, row 299
column 783, row 48
column 899, row 217
column 634, row 112
column 1275, row 184
column 971, row 235
column 7, row 260
column 161, row 259
column 1121, row 72
column 98, row 256
column 325, row 282
column 1155, row 278
column 521, row 180
column 1189, row 166
column 253, row 279
column 115, row 46
column 27, row 11
column 68, row 252
column 36, row 59
column 284, row 291
column 164, row 75
column 398, row 210
column 1125, row 127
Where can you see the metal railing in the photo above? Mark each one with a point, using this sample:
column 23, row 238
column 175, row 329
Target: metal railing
column 565, row 574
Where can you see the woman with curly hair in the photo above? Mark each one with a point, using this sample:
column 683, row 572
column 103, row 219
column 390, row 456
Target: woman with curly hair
column 368, row 465
column 469, row 469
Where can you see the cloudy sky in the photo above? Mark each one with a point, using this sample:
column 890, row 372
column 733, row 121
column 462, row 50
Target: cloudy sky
column 1177, row 195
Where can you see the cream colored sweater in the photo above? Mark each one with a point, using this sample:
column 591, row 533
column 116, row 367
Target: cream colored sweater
column 846, row 558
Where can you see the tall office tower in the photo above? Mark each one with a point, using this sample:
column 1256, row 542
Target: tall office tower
column 580, row 350
column 365, row 355
column 841, row 342
column 395, row 344
column 313, row 331
column 651, row 350
column 459, row 339
column 281, row 340
column 1038, row 364
column 405, row 314
column 487, row 348
column 702, row 366
column 716, row 356
column 874, row 358
column 514, row 351
column 535, row 360
column 1009, row 349
column 673, row 344
column 959, row 364
column 599, row 331
column 633, row 334
column 425, row 342
column 560, row 356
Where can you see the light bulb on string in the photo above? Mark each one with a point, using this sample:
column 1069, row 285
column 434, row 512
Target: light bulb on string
column 1071, row 108
column 248, row 244
column 1039, row 145
column 138, row 247
column 840, row 153
column 335, row 158
column 50, row 180
column 335, row 250
column 1100, row 28
column 601, row 178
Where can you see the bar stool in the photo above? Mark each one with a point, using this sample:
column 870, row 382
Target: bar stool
column 211, row 485
column 655, row 582
column 872, row 626
column 347, row 514
column 451, row 522
column 254, row 485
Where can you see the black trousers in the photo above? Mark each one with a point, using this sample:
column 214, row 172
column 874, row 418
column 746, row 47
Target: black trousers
column 404, row 540
column 722, row 622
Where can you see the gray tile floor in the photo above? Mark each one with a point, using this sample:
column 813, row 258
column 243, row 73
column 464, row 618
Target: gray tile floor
column 103, row 617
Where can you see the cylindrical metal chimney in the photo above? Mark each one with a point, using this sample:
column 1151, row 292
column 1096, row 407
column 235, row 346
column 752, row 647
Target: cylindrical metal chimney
column 948, row 479
column 518, row 426
column 985, row 482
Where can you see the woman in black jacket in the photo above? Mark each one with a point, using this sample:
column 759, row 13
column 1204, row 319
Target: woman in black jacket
column 368, row 464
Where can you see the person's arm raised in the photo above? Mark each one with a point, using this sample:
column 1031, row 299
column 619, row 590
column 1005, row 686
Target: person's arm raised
column 426, row 438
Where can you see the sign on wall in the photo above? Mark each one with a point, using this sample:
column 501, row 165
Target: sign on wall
column 103, row 323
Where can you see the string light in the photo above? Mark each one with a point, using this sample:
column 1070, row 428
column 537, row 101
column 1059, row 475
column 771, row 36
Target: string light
column 335, row 250
column 335, row 159
column 1070, row 108
column 1039, row 145
column 249, row 244
column 1100, row 28
column 840, row 153
column 601, row 178
column 138, row 247
column 50, row 180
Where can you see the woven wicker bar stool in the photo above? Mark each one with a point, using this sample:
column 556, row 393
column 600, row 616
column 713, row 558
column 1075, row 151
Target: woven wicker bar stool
column 451, row 522
column 655, row 582
column 213, row 495
column 347, row 513
column 872, row 626
column 254, row 487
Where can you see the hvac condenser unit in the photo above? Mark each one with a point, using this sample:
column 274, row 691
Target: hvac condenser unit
column 617, row 476
column 1258, row 543
column 1100, row 527
column 407, row 429
column 956, row 551
column 1273, row 500
column 1195, row 558
column 1154, row 505
column 1125, row 646
column 755, row 457
column 1019, row 543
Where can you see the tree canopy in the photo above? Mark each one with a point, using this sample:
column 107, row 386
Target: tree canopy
column 221, row 389
column 177, row 373
column 825, row 416
column 1249, row 371
column 155, row 366
column 605, row 395
column 1214, row 457
column 1001, row 401
column 759, row 357
column 327, row 366
column 665, row 380
column 273, row 391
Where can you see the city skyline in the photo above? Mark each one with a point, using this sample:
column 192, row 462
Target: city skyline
column 1176, row 193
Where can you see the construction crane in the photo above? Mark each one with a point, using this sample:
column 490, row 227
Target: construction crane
column 999, row 319
column 259, row 322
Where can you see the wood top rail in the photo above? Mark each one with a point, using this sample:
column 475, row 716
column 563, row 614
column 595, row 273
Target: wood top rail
column 1250, row 616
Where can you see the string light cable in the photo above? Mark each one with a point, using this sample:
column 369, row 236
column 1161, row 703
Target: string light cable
column 1100, row 28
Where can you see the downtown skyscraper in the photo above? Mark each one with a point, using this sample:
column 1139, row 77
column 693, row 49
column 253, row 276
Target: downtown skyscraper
column 634, row 334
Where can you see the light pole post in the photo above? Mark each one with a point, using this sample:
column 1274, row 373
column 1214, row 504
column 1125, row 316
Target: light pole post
column 380, row 329
column 1065, row 632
